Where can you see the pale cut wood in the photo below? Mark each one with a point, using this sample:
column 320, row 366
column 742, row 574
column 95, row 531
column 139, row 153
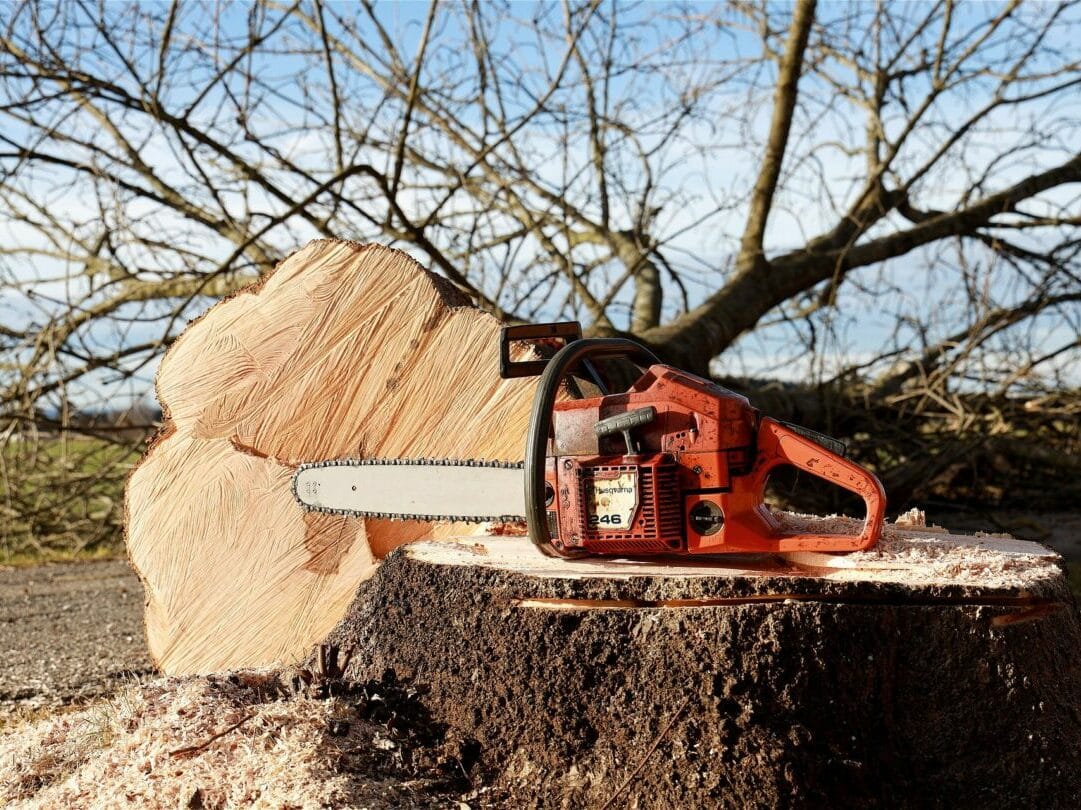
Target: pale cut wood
column 906, row 557
column 346, row 350
column 935, row 669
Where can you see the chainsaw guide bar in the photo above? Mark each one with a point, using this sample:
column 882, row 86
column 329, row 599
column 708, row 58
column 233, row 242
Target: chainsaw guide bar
column 459, row 490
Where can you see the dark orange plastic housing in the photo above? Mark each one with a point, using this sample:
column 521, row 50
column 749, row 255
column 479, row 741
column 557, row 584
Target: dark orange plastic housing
column 700, row 465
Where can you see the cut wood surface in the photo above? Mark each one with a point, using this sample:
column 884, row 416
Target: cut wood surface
column 934, row 669
column 344, row 351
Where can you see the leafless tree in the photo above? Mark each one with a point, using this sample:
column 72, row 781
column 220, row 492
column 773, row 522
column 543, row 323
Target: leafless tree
column 882, row 193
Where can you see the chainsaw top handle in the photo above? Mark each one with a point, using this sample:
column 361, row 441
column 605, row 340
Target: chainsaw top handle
column 540, row 424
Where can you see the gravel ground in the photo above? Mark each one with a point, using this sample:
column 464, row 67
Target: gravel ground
column 69, row 632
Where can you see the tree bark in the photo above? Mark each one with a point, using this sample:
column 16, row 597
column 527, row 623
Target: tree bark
column 933, row 671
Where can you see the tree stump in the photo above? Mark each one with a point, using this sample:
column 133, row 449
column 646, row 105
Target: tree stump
column 931, row 670
column 346, row 350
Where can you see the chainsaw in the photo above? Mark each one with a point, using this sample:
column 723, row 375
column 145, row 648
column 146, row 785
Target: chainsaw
column 676, row 464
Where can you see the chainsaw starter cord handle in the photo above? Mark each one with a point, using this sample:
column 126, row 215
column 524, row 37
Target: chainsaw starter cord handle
column 623, row 422
column 540, row 426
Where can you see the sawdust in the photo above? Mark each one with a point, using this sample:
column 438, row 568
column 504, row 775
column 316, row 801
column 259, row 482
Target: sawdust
column 244, row 739
column 910, row 553
column 913, row 552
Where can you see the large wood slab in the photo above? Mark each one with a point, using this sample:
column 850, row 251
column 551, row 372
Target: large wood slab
column 345, row 351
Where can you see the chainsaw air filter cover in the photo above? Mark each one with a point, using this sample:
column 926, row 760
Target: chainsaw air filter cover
column 622, row 505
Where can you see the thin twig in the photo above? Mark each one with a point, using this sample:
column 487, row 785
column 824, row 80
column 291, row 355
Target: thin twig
column 648, row 754
column 194, row 749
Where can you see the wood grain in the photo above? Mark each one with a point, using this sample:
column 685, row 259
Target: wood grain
column 346, row 350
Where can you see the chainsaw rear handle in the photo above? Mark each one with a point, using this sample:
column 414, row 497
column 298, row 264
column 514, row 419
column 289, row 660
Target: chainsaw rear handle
column 778, row 445
column 540, row 425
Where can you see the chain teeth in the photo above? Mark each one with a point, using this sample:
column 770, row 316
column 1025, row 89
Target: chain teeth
column 417, row 462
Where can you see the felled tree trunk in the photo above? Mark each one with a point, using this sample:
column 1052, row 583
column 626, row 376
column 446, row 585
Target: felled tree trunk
column 345, row 351
column 932, row 670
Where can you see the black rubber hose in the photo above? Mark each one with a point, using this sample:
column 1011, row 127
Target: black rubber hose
column 540, row 425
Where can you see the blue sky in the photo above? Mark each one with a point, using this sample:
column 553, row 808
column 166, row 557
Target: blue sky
column 718, row 162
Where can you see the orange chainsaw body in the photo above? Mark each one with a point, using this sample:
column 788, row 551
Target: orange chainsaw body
column 695, row 481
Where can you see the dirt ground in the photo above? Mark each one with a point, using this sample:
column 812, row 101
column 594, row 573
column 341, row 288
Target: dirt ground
column 69, row 632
